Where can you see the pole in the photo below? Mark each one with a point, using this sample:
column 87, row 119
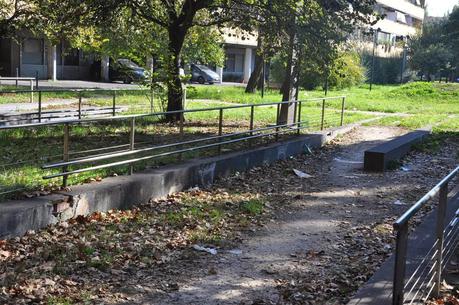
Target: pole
column 342, row 110
column 132, row 141
column 66, row 149
column 322, row 124
column 36, row 80
column 114, row 104
column 440, row 226
column 17, row 76
column 39, row 106
column 375, row 36
column 403, row 64
column 79, row 105
column 263, row 79
column 220, row 128
column 398, row 294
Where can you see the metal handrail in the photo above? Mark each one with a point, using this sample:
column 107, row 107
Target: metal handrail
column 401, row 226
column 421, row 202
column 135, row 116
column 73, row 90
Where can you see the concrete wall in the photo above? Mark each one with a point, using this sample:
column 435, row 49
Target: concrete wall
column 19, row 216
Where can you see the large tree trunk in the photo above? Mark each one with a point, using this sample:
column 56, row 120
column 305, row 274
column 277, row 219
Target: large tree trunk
column 174, row 84
column 290, row 85
column 257, row 70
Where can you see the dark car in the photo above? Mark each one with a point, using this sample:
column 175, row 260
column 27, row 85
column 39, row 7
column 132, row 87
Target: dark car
column 203, row 74
column 126, row 71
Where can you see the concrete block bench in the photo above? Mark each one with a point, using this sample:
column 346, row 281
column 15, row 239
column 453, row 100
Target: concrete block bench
column 380, row 157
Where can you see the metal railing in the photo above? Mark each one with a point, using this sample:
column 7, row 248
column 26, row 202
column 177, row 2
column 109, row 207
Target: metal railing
column 31, row 81
column 135, row 151
column 78, row 96
column 425, row 281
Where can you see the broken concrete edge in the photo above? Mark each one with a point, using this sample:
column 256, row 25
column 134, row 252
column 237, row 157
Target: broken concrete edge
column 123, row 192
column 380, row 157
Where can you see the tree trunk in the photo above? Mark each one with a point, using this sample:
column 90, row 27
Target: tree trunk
column 174, row 84
column 257, row 70
column 290, row 85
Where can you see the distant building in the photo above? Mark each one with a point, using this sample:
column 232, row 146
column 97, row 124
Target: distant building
column 402, row 19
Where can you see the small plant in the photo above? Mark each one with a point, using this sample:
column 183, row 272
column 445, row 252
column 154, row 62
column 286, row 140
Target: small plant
column 253, row 206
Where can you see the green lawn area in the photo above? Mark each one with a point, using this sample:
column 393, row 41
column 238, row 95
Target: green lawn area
column 427, row 103
column 22, row 152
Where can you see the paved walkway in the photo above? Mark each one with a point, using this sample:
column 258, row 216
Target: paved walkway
column 80, row 84
column 378, row 290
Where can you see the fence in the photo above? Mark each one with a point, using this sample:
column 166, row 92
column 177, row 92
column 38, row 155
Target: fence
column 58, row 104
column 31, row 81
column 425, row 281
column 104, row 146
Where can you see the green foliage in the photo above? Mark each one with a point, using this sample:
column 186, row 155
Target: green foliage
column 386, row 69
column 432, row 52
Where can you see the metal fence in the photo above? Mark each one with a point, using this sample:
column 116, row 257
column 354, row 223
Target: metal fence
column 426, row 274
column 64, row 104
column 88, row 145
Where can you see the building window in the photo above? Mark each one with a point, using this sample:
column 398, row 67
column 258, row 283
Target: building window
column 32, row 51
column 230, row 64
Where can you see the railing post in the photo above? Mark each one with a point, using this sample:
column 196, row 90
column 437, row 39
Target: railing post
column 66, row 150
column 323, row 115
column 277, row 122
column 181, row 132
column 342, row 110
column 440, row 226
column 39, row 106
column 252, row 112
column 152, row 99
column 79, row 105
column 299, row 118
column 36, row 80
column 398, row 293
column 132, row 141
column 31, row 90
column 17, row 76
column 114, row 104
column 220, row 128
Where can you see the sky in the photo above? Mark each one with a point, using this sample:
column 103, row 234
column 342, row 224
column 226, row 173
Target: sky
column 440, row 7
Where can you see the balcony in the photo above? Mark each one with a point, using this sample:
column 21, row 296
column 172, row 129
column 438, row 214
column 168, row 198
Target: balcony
column 405, row 6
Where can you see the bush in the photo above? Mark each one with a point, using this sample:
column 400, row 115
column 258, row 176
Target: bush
column 348, row 71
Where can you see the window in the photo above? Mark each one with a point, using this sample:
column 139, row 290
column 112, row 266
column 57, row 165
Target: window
column 230, row 64
column 72, row 57
column 32, row 51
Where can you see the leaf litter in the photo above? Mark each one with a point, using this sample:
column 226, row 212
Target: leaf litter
column 122, row 256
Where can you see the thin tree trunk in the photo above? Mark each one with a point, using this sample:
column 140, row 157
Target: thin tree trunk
column 174, row 83
column 258, row 68
column 289, row 93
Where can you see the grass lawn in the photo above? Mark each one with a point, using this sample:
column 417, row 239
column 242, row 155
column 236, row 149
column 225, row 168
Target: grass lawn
column 427, row 104
column 22, row 152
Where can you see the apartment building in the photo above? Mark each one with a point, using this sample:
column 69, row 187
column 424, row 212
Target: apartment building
column 402, row 19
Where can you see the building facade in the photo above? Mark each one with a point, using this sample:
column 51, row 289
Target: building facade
column 402, row 19
column 31, row 56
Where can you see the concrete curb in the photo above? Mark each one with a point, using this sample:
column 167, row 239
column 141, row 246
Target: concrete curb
column 19, row 216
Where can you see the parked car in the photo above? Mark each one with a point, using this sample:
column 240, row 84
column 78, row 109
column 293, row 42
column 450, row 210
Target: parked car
column 203, row 74
column 126, row 71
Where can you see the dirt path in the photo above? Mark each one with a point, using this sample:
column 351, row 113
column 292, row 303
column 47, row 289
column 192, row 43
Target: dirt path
column 280, row 239
column 339, row 195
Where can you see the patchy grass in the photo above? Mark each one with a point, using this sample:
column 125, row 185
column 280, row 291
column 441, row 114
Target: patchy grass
column 69, row 264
